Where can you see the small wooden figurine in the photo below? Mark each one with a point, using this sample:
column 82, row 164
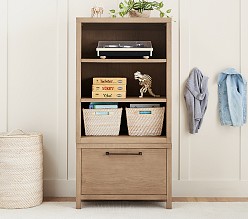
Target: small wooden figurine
column 146, row 82
column 96, row 11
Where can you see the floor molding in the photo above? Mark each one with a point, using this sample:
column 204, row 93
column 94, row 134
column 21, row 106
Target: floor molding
column 175, row 199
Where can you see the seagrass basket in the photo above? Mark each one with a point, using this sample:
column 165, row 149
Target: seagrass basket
column 102, row 122
column 145, row 121
column 21, row 169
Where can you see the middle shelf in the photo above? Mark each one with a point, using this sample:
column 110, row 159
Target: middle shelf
column 98, row 60
column 128, row 99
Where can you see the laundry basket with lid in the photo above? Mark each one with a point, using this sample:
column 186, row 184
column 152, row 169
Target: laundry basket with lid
column 21, row 169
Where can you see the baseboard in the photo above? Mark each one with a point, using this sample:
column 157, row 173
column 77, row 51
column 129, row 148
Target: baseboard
column 59, row 188
column 222, row 189
column 200, row 188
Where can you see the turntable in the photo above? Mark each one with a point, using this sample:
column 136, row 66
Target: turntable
column 124, row 49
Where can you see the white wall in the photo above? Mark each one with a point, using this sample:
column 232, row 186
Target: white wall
column 37, row 88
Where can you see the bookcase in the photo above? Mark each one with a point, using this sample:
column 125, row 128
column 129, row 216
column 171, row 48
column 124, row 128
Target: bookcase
column 142, row 168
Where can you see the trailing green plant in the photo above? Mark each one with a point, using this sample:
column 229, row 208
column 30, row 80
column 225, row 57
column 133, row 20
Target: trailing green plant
column 127, row 5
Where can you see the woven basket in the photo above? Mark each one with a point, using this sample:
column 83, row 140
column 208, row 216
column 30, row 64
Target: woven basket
column 145, row 121
column 102, row 121
column 21, row 169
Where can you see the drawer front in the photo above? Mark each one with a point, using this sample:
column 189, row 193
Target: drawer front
column 124, row 171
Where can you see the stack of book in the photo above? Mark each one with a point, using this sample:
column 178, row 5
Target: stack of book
column 109, row 87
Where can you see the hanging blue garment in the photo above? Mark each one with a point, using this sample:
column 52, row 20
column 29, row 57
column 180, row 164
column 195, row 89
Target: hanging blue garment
column 232, row 93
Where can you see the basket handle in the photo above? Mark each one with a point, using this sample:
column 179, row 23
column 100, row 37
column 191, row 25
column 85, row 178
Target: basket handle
column 145, row 112
column 101, row 113
column 17, row 132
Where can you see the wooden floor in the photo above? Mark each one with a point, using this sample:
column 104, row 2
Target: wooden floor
column 175, row 199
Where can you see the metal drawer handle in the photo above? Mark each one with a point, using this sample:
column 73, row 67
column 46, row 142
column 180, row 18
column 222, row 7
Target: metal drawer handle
column 110, row 153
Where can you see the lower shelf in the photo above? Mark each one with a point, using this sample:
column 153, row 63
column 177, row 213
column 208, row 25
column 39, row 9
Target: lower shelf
column 124, row 139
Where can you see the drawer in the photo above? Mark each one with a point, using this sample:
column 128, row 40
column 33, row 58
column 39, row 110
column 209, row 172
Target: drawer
column 124, row 171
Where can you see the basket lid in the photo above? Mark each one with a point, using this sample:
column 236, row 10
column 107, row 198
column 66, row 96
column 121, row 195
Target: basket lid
column 18, row 133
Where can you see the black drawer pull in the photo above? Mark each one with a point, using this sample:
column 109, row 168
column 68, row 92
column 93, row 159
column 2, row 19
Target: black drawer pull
column 111, row 153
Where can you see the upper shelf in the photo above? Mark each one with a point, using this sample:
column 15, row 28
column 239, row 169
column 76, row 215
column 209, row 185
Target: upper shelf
column 123, row 60
column 128, row 99
column 124, row 20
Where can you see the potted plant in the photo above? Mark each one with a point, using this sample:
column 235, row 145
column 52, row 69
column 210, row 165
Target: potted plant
column 140, row 8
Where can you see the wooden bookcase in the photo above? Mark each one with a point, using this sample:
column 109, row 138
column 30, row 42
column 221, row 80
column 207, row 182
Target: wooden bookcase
column 146, row 177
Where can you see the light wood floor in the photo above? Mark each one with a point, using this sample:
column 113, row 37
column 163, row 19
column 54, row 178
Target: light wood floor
column 175, row 199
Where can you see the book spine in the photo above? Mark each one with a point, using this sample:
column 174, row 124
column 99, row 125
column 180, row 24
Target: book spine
column 104, row 81
column 101, row 87
column 108, row 94
column 105, row 106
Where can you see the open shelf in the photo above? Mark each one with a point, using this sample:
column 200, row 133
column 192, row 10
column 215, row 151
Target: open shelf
column 123, row 60
column 128, row 99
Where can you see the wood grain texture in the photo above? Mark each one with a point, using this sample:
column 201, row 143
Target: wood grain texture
column 124, row 174
column 128, row 100
column 78, row 79
column 78, row 177
column 168, row 82
column 123, row 20
column 125, row 197
column 143, row 61
column 169, row 179
column 133, row 146
column 123, row 139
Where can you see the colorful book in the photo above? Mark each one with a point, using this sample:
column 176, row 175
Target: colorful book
column 109, row 94
column 108, row 87
column 104, row 81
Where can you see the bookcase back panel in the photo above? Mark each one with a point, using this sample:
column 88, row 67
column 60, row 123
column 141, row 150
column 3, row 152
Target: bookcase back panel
column 92, row 33
column 127, row 70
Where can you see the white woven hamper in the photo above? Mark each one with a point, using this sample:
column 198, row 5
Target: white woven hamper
column 21, row 169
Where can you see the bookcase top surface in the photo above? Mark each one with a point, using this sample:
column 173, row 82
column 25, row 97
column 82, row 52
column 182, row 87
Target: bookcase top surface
column 123, row 20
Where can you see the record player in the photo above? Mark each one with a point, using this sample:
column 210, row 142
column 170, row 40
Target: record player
column 124, row 49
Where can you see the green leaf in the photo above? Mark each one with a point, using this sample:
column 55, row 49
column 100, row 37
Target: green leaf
column 137, row 5
column 112, row 11
column 154, row 3
column 168, row 11
column 121, row 14
column 161, row 4
column 121, row 5
column 161, row 14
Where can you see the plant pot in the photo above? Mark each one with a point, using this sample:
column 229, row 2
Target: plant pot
column 135, row 13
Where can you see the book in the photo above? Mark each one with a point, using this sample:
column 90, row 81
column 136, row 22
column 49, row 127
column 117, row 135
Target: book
column 108, row 94
column 105, row 106
column 91, row 106
column 104, row 81
column 108, row 87
column 144, row 105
